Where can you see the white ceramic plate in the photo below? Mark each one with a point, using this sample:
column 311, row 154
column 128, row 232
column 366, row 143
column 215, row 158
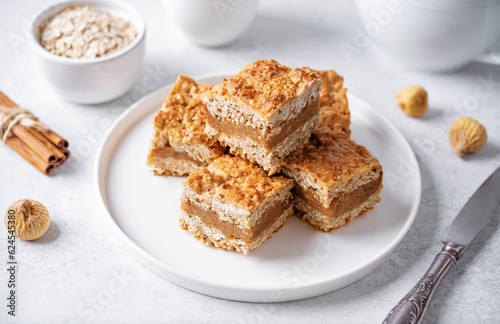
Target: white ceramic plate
column 297, row 262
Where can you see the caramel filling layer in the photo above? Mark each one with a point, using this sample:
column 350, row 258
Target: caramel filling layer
column 230, row 230
column 343, row 203
column 267, row 139
column 169, row 152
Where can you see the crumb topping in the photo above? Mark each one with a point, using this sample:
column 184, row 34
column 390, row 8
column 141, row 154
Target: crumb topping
column 331, row 157
column 183, row 116
column 233, row 180
column 265, row 85
column 334, row 108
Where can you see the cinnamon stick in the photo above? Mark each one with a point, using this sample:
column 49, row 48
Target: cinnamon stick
column 55, row 139
column 60, row 156
column 44, row 150
column 6, row 102
column 66, row 153
column 39, row 147
column 29, row 155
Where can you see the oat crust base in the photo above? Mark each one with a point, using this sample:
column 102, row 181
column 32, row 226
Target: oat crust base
column 213, row 237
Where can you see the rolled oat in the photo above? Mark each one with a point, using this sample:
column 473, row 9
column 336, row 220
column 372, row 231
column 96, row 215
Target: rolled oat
column 83, row 32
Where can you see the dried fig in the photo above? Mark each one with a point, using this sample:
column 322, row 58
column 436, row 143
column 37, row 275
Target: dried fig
column 28, row 219
column 413, row 100
column 467, row 136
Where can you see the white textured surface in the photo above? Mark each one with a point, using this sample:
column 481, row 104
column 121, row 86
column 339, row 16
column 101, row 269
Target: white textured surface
column 79, row 272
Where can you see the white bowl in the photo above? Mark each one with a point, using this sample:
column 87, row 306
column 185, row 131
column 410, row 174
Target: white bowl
column 91, row 81
column 430, row 35
column 211, row 23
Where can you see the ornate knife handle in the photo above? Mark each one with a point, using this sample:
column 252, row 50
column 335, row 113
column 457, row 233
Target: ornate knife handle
column 412, row 307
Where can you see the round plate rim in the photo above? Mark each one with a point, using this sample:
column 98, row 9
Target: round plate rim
column 177, row 277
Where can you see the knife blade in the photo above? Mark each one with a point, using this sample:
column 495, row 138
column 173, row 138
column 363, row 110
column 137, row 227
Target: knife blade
column 475, row 214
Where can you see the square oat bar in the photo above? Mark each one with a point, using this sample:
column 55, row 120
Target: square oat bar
column 180, row 145
column 234, row 204
column 336, row 179
column 265, row 111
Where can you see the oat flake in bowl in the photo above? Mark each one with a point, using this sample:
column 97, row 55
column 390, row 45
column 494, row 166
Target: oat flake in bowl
column 83, row 32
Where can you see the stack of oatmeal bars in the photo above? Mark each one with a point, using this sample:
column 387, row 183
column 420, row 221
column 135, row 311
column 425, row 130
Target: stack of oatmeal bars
column 266, row 143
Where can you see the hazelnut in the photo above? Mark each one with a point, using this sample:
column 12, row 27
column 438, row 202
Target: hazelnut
column 27, row 219
column 413, row 100
column 467, row 136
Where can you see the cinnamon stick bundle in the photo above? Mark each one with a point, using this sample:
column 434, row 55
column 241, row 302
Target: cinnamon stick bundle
column 44, row 149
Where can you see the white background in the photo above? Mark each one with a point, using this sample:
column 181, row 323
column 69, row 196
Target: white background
column 78, row 272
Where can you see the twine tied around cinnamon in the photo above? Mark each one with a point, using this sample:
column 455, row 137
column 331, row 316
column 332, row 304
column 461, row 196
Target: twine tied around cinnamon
column 10, row 117
column 34, row 141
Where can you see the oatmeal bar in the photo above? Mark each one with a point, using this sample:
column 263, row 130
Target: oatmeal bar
column 234, row 204
column 265, row 111
column 180, row 145
column 335, row 179
column 334, row 107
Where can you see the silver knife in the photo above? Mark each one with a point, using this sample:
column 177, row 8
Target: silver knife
column 476, row 213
